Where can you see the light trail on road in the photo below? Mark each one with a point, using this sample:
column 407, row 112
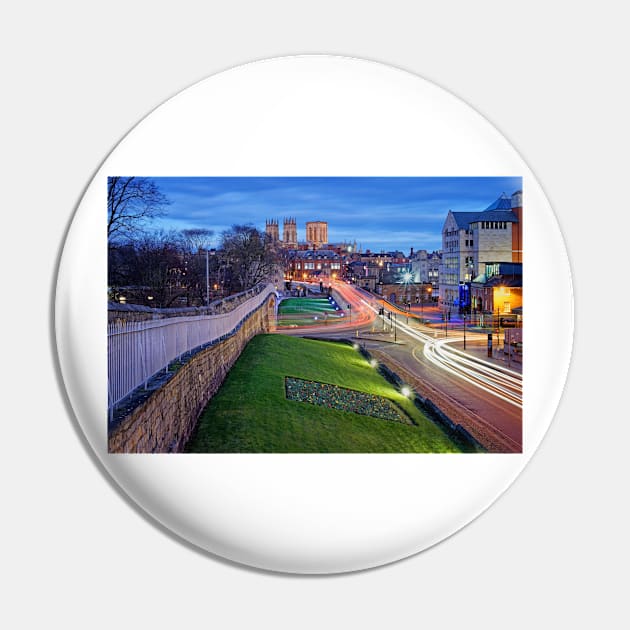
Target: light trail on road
column 496, row 380
column 476, row 371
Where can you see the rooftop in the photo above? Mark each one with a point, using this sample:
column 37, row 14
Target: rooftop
column 499, row 210
column 502, row 203
column 315, row 253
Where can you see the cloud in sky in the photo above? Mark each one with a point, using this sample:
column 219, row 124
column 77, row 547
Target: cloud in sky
column 380, row 213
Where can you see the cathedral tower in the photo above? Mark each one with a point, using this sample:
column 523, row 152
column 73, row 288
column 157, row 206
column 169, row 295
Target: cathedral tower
column 289, row 233
column 272, row 230
column 317, row 233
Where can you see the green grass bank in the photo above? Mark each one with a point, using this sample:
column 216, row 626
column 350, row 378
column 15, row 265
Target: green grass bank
column 305, row 312
column 251, row 414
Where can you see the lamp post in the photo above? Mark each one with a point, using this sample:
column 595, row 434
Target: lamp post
column 464, row 331
column 207, row 279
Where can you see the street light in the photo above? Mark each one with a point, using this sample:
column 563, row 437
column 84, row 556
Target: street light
column 207, row 278
column 464, row 316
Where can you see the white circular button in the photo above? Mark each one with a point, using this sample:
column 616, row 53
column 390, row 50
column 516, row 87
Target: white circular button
column 315, row 118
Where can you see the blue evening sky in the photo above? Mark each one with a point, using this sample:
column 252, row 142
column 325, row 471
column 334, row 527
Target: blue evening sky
column 380, row 213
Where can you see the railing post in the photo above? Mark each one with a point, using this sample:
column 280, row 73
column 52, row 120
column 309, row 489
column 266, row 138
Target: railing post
column 110, row 405
column 165, row 359
column 143, row 365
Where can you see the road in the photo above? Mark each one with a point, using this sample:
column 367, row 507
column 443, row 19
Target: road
column 484, row 395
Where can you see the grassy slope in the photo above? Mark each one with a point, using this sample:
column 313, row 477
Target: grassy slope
column 299, row 305
column 301, row 311
column 251, row 414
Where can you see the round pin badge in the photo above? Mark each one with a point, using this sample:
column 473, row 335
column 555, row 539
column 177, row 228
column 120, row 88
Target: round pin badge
column 314, row 314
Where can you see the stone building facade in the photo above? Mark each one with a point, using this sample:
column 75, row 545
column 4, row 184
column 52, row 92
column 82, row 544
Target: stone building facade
column 309, row 264
column 425, row 268
column 472, row 239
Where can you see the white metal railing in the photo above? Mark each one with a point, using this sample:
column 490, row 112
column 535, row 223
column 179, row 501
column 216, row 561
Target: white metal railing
column 137, row 351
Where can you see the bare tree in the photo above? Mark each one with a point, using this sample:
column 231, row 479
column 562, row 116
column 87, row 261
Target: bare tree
column 161, row 268
column 130, row 202
column 200, row 266
column 248, row 255
column 196, row 239
column 149, row 270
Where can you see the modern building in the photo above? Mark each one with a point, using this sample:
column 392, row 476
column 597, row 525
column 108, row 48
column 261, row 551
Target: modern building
column 472, row 239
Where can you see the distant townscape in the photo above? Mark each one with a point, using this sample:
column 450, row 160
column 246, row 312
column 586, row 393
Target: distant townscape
column 478, row 269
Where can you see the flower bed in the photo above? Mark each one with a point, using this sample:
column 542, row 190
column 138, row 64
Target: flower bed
column 335, row 397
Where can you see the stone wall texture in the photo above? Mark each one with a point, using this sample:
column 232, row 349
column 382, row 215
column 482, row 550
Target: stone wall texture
column 164, row 422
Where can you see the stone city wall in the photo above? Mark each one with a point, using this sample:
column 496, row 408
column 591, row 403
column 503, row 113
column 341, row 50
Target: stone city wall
column 139, row 313
column 164, row 422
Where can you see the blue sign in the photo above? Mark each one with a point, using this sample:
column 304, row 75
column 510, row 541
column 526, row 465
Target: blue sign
column 464, row 295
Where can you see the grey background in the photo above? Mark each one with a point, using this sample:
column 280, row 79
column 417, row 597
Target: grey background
column 551, row 77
